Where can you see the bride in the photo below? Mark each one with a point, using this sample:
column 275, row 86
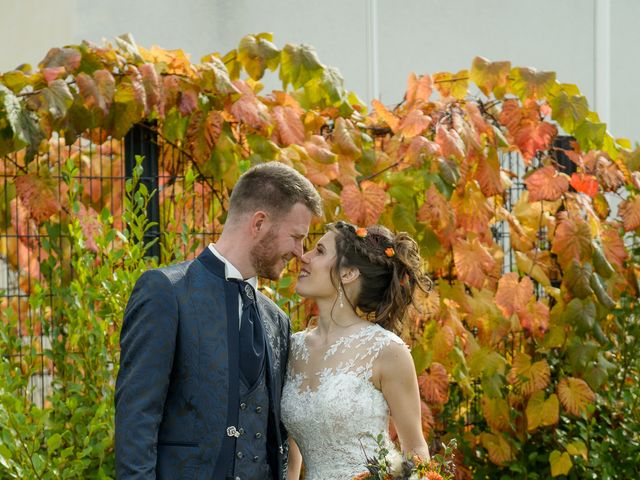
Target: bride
column 347, row 375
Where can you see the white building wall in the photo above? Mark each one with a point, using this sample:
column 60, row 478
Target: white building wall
column 374, row 43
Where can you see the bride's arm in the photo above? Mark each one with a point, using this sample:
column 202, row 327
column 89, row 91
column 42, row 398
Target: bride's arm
column 295, row 461
column 399, row 385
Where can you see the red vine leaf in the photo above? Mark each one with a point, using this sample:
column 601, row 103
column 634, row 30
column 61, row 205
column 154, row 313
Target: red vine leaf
column 203, row 134
column 513, row 294
column 364, row 205
column 587, row 184
column 249, row 109
column 418, row 90
column 451, row 145
column 434, row 384
column 289, row 127
column 414, row 123
column 525, row 128
column 535, row 318
column 546, row 184
column 38, row 194
column 571, row 240
column 630, row 213
column 473, row 262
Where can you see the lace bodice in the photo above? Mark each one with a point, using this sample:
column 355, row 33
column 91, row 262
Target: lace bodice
column 330, row 406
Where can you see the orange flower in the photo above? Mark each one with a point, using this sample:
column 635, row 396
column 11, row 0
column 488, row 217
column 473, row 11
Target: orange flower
column 362, row 476
column 389, row 252
column 434, row 476
column 361, row 232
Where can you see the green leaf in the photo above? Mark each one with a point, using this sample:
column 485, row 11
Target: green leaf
column 256, row 53
column 18, row 126
column 590, row 135
column 581, row 313
column 54, row 442
column 569, row 111
column 577, row 277
column 16, row 80
column 298, row 65
column 531, row 83
column 216, row 77
column 58, row 98
column 404, row 218
column 601, row 294
column 560, row 463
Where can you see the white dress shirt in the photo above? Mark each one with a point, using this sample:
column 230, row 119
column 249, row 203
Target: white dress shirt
column 232, row 272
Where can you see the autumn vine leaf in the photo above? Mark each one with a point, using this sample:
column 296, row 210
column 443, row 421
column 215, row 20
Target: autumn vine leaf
column 630, row 213
column 584, row 183
column 546, row 184
column 527, row 131
column 542, row 412
column 363, row 205
column 575, row 395
column 490, row 77
column 529, row 377
column 434, row 384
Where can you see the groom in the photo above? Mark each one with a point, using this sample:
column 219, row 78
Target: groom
column 203, row 353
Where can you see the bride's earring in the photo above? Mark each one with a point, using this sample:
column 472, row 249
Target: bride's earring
column 340, row 297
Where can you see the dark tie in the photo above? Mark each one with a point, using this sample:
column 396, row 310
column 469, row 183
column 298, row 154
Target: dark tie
column 251, row 336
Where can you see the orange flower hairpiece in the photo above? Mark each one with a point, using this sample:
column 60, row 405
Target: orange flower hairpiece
column 361, row 232
column 389, row 252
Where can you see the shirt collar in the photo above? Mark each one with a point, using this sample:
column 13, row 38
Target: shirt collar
column 230, row 271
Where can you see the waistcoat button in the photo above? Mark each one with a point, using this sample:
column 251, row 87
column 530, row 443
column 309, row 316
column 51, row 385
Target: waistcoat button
column 240, row 455
column 256, row 458
column 243, row 406
column 258, row 435
column 258, row 409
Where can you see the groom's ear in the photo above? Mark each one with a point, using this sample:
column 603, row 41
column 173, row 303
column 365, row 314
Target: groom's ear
column 259, row 222
column 349, row 274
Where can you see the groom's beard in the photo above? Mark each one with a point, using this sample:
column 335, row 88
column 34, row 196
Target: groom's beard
column 265, row 258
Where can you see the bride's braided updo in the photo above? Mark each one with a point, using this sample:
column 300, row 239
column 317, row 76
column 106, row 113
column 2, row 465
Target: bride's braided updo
column 390, row 270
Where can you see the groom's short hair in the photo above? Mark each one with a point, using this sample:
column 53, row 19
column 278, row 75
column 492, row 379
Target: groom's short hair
column 275, row 188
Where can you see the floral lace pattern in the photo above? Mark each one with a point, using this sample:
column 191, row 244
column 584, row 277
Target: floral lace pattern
column 334, row 412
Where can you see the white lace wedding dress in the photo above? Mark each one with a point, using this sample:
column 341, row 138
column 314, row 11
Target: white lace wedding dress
column 335, row 412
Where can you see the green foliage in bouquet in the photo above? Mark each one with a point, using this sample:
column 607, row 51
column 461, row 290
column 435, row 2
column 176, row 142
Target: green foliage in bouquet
column 391, row 465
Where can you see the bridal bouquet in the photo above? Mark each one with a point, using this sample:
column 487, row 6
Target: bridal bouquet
column 391, row 465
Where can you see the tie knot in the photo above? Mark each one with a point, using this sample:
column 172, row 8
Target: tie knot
column 246, row 291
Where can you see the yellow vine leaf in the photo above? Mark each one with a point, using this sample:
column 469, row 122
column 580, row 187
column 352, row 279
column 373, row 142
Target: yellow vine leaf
column 496, row 412
column 541, row 412
column 575, row 395
column 388, row 117
column 499, row 448
column 578, row 448
column 560, row 463
column 452, row 84
column 490, row 76
column 528, row 377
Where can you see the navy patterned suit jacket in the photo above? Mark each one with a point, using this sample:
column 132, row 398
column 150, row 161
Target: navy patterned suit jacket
column 177, row 386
